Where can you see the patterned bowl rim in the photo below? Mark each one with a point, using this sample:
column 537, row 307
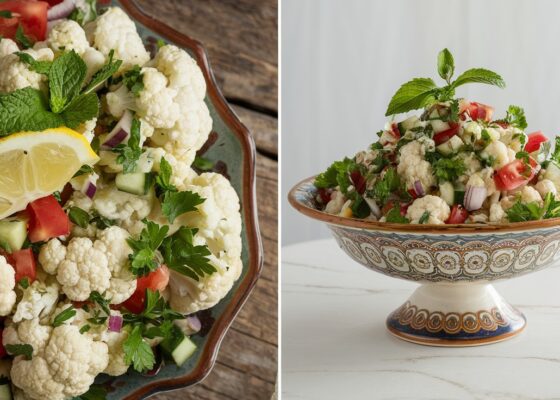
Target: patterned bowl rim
column 249, row 210
column 297, row 202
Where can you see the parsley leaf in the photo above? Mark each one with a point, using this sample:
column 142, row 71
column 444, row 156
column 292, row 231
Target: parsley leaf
column 101, row 222
column 177, row 203
column 448, row 169
column 336, row 175
column 163, row 178
column 129, row 153
column 144, row 249
column 25, row 350
column 133, row 80
column 389, row 183
column 84, row 12
column 424, row 218
column 64, row 315
column 137, row 351
column 66, row 77
column 394, row 215
column 515, row 116
column 181, row 255
column 521, row 212
column 555, row 156
column 95, row 392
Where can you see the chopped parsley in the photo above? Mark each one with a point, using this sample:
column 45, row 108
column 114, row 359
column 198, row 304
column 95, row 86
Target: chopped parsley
column 64, row 316
column 515, row 116
column 424, row 218
column 394, row 215
column 134, row 80
column 129, row 153
column 25, row 350
column 389, row 184
column 145, row 257
column 446, row 169
column 521, row 212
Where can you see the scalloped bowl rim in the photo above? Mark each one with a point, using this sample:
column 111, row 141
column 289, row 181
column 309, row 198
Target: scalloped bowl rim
column 357, row 223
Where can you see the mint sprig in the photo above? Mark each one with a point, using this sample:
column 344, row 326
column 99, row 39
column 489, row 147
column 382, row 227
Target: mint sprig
column 420, row 92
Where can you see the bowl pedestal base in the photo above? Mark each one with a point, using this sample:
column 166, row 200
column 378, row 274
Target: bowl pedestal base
column 455, row 315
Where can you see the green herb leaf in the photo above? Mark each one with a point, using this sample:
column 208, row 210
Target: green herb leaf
column 424, row 218
column 66, row 77
column 446, row 65
column 21, row 38
column 64, row 315
column 5, row 245
column 521, row 212
column 25, row 350
column 555, row 156
column 133, row 80
column 448, row 169
column 203, row 164
column 26, row 110
column 24, row 282
column 84, row 169
column 129, row 153
column 107, row 71
column 164, row 176
column 144, row 249
column 5, row 14
column 101, row 222
column 137, row 351
column 515, row 116
column 79, row 217
column 389, row 183
column 479, row 75
column 95, row 392
column 177, row 203
column 414, row 94
column 41, row 67
column 81, row 109
column 85, row 328
column 84, row 12
column 523, row 155
column 394, row 215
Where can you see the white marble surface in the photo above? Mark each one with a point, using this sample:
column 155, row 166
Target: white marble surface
column 335, row 345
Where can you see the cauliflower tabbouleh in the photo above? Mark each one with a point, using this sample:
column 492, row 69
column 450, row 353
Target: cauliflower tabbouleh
column 452, row 164
column 110, row 241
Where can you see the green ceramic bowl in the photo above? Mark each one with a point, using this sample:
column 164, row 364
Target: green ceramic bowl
column 232, row 148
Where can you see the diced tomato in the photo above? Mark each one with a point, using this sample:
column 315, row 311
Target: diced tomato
column 54, row 2
column 444, row 136
column 156, row 280
column 23, row 262
column 47, row 219
column 359, row 181
column 503, row 124
column 391, row 204
column 412, row 193
column 66, row 193
column 324, row 194
column 3, row 352
column 395, row 130
column 516, row 173
column 479, row 111
column 458, row 215
column 534, row 141
column 30, row 14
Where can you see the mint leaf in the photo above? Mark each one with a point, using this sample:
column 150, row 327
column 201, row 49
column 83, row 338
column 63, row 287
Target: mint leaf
column 83, row 108
column 177, row 203
column 108, row 70
column 41, row 67
column 203, row 164
column 479, row 75
column 137, row 351
column 25, row 350
column 66, row 78
column 64, row 316
column 78, row 216
column 182, row 256
column 424, row 218
column 22, row 38
column 133, row 79
column 129, row 153
column 446, row 65
column 414, row 94
column 26, row 110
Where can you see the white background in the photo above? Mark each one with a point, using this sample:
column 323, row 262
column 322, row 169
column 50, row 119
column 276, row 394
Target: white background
column 342, row 60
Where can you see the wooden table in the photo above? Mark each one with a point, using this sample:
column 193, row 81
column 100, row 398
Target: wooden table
column 241, row 39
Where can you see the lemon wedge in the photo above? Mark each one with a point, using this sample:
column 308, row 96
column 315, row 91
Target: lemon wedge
column 36, row 164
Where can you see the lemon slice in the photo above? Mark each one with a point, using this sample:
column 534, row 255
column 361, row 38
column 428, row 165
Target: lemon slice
column 36, row 164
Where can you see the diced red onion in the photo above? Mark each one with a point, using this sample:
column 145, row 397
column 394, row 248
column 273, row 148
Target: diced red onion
column 120, row 132
column 90, row 190
column 419, row 189
column 115, row 323
column 373, row 206
column 474, row 197
column 61, row 10
column 194, row 323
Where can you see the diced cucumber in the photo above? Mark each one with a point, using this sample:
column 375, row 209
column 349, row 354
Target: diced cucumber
column 134, row 183
column 447, row 192
column 407, row 124
column 439, row 126
column 5, row 392
column 552, row 173
column 178, row 346
column 451, row 146
column 13, row 233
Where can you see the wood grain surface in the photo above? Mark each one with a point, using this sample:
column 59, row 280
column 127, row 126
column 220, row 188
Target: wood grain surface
column 241, row 39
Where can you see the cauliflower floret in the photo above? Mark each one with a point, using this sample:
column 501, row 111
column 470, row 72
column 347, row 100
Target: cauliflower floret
column 38, row 301
column 7, row 46
column 219, row 224
column 29, row 331
column 514, row 138
column 530, row 195
column 471, row 132
column 87, row 129
column 64, row 367
column 546, row 186
column 117, row 365
column 337, row 202
column 497, row 213
column 413, row 167
column 497, row 151
column 114, row 30
column 181, row 70
column 7, row 285
column 15, row 74
column 434, row 205
column 51, row 255
column 68, row 35
column 117, row 205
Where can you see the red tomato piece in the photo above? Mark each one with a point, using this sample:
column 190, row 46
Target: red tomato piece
column 54, row 2
column 395, row 130
column 3, row 352
column 447, row 134
column 515, row 174
column 534, row 141
column 359, row 181
column 30, row 14
column 23, row 262
column 479, row 111
column 47, row 219
column 391, row 204
column 155, row 280
column 412, row 193
column 324, row 194
column 459, row 215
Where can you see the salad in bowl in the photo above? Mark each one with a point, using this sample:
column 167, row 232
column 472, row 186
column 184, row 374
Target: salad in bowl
column 453, row 163
column 112, row 235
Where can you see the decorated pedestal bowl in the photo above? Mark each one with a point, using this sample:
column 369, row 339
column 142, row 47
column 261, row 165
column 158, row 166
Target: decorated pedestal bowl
column 456, row 304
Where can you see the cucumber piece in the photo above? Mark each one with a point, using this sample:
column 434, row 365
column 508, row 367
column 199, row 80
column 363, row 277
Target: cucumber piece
column 13, row 233
column 407, row 124
column 451, row 146
column 134, row 183
column 5, row 392
column 439, row 125
column 447, row 193
column 552, row 173
column 178, row 346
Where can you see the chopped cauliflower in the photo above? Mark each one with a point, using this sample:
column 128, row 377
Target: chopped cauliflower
column 437, row 209
column 117, row 364
column 38, row 301
column 7, row 285
column 117, row 205
column 7, row 46
column 530, row 195
column 413, row 167
column 546, row 186
column 68, row 35
column 15, row 74
column 497, row 213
